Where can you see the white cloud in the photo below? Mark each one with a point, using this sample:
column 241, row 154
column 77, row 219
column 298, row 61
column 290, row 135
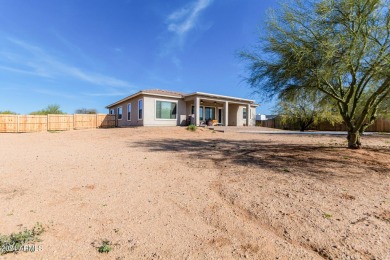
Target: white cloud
column 37, row 62
column 54, row 93
column 183, row 20
column 21, row 71
column 108, row 94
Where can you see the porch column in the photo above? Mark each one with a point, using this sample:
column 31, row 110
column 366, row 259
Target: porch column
column 226, row 113
column 196, row 105
column 248, row 114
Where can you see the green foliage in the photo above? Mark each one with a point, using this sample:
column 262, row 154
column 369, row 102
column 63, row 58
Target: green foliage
column 50, row 109
column 192, row 128
column 306, row 109
column 384, row 108
column 105, row 247
column 86, row 111
column 326, row 215
column 340, row 48
column 7, row 112
column 15, row 241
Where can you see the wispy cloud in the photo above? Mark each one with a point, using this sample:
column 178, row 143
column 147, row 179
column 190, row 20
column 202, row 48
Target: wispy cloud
column 21, row 71
column 184, row 19
column 38, row 62
column 54, row 93
column 108, row 94
column 179, row 23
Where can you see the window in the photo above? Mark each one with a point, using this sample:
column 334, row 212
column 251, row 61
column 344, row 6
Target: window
column 210, row 113
column 166, row 110
column 244, row 113
column 112, row 112
column 129, row 112
column 140, row 109
column 200, row 112
column 119, row 113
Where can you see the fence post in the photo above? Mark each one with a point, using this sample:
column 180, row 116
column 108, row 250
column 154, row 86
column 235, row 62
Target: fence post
column 96, row 122
column 17, row 123
column 74, row 121
column 47, row 123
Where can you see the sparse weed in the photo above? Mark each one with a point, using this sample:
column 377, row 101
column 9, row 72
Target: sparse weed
column 15, row 241
column 326, row 215
column 54, row 131
column 105, row 247
column 192, row 128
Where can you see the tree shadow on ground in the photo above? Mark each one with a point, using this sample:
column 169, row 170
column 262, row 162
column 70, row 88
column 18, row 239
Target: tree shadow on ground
column 322, row 162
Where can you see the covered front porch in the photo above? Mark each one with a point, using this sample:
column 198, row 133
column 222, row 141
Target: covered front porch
column 220, row 110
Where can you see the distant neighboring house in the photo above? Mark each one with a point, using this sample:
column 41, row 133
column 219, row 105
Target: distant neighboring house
column 261, row 117
column 167, row 108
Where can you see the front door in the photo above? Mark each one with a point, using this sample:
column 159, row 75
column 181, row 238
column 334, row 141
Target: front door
column 220, row 115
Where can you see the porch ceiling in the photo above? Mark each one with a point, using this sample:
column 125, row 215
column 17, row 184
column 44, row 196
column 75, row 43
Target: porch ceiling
column 220, row 98
column 219, row 101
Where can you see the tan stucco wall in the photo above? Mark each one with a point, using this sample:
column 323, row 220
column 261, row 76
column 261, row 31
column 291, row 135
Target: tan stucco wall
column 253, row 118
column 236, row 115
column 232, row 114
column 134, row 113
column 150, row 112
column 183, row 110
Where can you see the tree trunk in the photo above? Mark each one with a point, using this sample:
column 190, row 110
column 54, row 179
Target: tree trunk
column 354, row 140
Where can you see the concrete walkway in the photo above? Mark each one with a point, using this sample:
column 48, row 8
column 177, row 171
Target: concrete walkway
column 266, row 130
column 302, row 133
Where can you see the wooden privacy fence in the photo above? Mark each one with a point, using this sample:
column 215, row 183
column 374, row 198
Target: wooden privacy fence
column 37, row 123
column 380, row 125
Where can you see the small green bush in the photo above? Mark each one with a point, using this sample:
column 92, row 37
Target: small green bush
column 105, row 247
column 191, row 128
column 326, row 215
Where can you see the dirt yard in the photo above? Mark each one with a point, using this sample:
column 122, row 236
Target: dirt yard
column 173, row 194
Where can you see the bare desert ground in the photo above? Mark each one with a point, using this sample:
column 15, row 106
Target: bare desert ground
column 167, row 193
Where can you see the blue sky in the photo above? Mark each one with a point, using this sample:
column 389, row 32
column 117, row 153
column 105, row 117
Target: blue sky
column 92, row 53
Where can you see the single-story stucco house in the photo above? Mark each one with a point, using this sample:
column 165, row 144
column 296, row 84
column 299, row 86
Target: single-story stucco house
column 167, row 108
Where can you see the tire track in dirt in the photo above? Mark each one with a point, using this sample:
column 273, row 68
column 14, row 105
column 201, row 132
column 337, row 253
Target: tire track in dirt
column 225, row 215
column 252, row 220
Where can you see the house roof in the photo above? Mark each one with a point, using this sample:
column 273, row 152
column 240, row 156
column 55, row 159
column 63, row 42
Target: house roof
column 154, row 92
column 163, row 92
column 220, row 96
column 174, row 94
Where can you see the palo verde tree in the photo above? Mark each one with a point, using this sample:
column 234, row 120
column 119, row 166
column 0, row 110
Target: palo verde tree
column 338, row 47
column 384, row 108
column 306, row 109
